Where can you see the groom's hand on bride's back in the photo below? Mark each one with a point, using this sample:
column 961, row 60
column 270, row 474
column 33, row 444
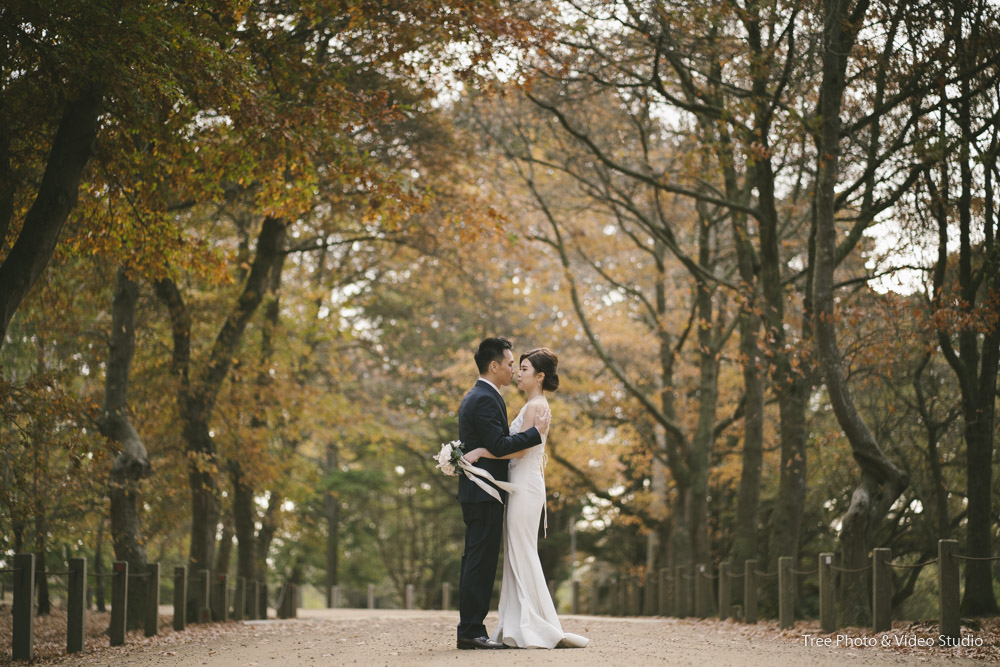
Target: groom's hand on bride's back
column 543, row 419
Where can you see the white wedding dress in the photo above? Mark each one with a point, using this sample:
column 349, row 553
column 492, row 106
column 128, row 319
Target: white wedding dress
column 527, row 615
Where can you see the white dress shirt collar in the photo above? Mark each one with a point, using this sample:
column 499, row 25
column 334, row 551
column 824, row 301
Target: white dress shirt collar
column 495, row 388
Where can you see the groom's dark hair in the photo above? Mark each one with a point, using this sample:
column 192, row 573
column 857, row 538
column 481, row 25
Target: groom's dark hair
column 491, row 349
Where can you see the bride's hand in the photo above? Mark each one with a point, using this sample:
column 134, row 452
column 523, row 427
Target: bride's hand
column 474, row 455
column 543, row 419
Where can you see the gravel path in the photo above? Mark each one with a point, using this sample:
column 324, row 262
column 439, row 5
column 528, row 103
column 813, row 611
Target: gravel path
column 393, row 637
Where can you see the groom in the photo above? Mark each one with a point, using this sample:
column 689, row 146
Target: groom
column 482, row 422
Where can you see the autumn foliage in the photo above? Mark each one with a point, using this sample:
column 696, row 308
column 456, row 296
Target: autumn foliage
column 322, row 206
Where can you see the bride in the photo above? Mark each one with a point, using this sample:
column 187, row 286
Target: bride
column 527, row 615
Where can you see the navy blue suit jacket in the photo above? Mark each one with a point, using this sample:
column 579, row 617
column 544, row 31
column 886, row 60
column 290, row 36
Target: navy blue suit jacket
column 482, row 422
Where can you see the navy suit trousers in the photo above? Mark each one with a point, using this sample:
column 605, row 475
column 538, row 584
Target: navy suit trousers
column 483, row 531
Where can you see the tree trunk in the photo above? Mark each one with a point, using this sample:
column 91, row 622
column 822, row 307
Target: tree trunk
column 703, row 441
column 745, row 537
column 202, row 482
column 786, row 518
column 41, row 529
column 131, row 464
column 244, row 520
column 935, row 429
column 18, row 528
column 57, row 194
column 979, row 385
column 196, row 401
column 789, row 384
column 244, row 508
column 975, row 362
column 225, row 552
column 855, row 533
column 268, row 527
column 42, row 598
column 332, row 512
column 979, row 599
column 745, row 529
column 881, row 481
column 99, row 566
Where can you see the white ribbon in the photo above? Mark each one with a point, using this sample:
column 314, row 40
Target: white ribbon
column 545, row 503
column 474, row 473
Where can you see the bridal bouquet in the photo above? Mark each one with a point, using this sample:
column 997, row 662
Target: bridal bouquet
column 450, row 461
column 449, row 457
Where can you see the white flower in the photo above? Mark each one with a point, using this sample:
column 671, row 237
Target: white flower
column 447, row 459
column 444, row 456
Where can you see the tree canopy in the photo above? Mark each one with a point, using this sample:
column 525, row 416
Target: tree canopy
column 248, row 250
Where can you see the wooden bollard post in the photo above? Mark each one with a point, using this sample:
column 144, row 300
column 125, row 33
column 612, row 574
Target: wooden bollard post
column 621, row 596
column 281, row 608
column 575, row 600
column 948, row 590
column 827, row 601
column 288, row 601
column 180, row 597
column 75, row 605
column 445, row 596
column 119, row 602
column 595, row 595
column 23, row 647
column 253, row 599
column 750, row 590
column 664, row 603
column 786, row 593
column 261, row 600
column 204, row 587
column 200, row 595
column 151, row 621
column 680, row 604
column 881, row 590
column 220, row 598
column 409, row 595
column 725, row 592
column 371, row 596
column 650, row 604
column 291, row 604
column 688, row 581
column 253, row 592
column 240, row 599
column 701, row 582
column 100, row 585
column 632, row 594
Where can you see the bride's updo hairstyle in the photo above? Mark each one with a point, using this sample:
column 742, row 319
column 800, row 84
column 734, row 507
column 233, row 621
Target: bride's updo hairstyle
column 544, row 361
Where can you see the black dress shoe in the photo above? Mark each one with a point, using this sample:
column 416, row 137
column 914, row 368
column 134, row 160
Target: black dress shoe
column 479, row 642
